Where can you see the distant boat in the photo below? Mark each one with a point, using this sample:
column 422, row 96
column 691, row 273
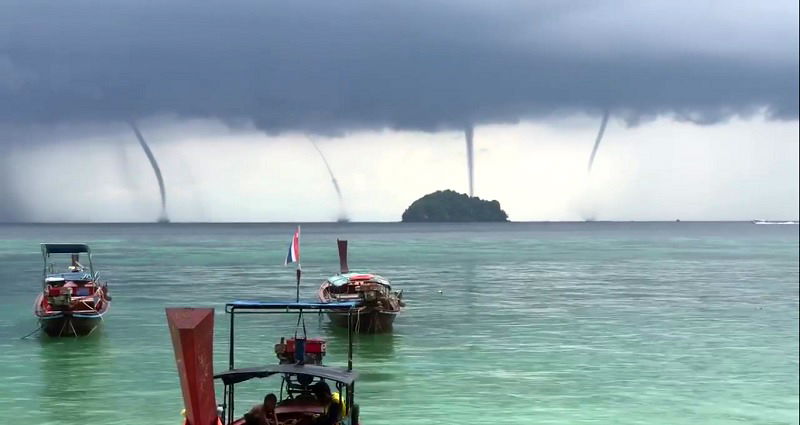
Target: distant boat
column 72, row 301
column 775, row 222
column 377, row 304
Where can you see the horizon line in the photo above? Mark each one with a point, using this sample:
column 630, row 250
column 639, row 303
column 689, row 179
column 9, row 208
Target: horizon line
column 392, row 222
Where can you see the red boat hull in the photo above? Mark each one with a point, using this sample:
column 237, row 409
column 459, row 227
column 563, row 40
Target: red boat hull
column 69, row 325
column 57, row 323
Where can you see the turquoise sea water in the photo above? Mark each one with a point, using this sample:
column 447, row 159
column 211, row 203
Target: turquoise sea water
column 546, row 323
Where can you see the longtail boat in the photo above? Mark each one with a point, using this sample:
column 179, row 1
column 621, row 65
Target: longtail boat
column 296, row 373
column 72, row 301
column 377, row 304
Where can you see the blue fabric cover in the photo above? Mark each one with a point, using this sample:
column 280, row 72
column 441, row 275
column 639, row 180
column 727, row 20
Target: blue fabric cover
column 290, row 305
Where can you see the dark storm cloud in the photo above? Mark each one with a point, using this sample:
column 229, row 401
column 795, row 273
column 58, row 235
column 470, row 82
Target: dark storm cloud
column 320, row 66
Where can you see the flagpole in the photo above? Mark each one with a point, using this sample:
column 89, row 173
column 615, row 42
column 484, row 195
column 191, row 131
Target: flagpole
column 298, row 283
column 299, row 270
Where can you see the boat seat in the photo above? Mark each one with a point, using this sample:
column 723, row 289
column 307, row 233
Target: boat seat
column 293, row 407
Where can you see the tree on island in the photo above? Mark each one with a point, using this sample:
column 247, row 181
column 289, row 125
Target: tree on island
column 451, row 206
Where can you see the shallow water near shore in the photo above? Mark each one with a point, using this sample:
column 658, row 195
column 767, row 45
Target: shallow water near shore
column 547, row 323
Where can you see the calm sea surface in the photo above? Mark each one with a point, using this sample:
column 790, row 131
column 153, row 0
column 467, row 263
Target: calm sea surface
column 545, row 323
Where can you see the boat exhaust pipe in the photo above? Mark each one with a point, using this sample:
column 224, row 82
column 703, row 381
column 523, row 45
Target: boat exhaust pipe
column 192, row 332
column 342, row 256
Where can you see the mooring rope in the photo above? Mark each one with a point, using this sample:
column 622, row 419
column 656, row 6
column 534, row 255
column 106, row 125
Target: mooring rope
column 299, row 318
column 34, row 331
column 61, row 332
column 74, row 331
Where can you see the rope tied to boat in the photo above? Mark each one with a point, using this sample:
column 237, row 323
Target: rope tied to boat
column 34, row 331
column 299, row 319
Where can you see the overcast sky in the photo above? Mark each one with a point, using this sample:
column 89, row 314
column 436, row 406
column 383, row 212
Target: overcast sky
column 703, row 98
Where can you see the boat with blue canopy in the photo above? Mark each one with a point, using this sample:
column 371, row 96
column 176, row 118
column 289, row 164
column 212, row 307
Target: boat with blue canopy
column 72, row 301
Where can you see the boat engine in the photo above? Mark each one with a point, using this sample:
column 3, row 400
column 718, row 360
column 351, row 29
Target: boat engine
column 301, row 350
column 59, row 296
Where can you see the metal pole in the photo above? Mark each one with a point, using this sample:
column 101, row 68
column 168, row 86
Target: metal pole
column 230, row 365
column 298, row 282
column 299, row 268
column 350, row 340
column 230, row 348
column 352, row 398
column 91, row 266
column 224, row 417
column 230, row 414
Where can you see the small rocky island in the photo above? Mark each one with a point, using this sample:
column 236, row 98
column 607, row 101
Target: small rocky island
column 445, row 206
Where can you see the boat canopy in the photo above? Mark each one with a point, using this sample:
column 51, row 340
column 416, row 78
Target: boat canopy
column 235, row 376
column 344, row 278
column 64, row 248
column 288, row 305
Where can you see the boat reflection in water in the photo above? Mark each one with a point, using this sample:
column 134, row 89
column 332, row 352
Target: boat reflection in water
column 75, row 371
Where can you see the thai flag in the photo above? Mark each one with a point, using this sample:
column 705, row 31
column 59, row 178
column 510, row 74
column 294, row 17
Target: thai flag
column 294, row 249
